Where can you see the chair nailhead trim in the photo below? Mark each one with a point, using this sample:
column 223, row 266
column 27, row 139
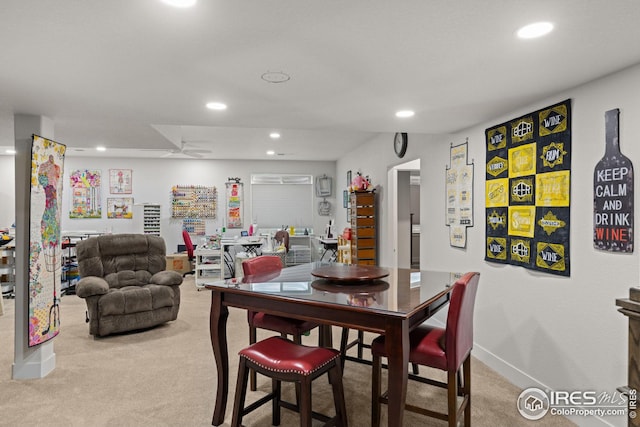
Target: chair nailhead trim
column 289, row 371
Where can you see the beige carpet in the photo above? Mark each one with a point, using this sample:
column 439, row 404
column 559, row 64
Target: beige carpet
column 166, row 377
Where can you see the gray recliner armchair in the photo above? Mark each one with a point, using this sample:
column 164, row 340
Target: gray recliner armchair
column 125, row 284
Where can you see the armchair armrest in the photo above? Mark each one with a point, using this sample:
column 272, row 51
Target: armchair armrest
column 167, row 277
column 91, row 285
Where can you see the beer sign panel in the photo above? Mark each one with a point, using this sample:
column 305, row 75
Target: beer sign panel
column 459, row 191
column 527, row 190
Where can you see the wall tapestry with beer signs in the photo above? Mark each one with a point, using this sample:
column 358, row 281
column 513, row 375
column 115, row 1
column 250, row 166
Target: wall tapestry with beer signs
column 528, row 183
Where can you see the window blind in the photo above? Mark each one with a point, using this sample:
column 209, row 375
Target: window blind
column 275, row 205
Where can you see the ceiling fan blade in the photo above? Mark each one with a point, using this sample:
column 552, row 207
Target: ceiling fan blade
column 192, row 153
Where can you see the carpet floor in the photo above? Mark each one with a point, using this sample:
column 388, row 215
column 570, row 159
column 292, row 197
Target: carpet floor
column 166, row 376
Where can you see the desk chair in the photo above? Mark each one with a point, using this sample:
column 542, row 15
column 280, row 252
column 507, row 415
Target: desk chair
column 189, row 246
column 284, row 325
column 283, row 360
column 282, row 238
column 447, row 349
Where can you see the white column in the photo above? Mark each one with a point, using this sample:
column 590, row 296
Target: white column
column 39, row 361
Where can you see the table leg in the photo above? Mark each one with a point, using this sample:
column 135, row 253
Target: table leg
column 218, row 330
column 397, row 347
column 326, row 336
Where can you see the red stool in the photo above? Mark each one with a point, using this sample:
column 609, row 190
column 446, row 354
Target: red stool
column 283, row 360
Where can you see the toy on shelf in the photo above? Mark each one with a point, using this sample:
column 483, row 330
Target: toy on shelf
column 360, row 183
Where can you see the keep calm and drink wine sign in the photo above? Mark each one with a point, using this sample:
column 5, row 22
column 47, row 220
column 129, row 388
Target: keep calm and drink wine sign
column 613, row 193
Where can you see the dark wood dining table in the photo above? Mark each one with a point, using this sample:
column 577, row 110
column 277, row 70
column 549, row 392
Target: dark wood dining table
column 392, row 305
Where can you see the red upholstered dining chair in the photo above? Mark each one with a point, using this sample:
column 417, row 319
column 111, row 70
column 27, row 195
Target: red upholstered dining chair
column 283, row 360
column 283, row 325
column 447, row 349
column 189, row 247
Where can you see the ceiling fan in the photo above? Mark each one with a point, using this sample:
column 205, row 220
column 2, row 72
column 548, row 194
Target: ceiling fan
column 184, row 149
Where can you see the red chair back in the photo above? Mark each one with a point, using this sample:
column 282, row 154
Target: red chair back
column 261, row 264
column 188, row 244
column 459, row 334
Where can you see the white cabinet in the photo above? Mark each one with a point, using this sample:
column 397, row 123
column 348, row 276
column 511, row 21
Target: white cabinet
column 7, row 270
column 209, row 266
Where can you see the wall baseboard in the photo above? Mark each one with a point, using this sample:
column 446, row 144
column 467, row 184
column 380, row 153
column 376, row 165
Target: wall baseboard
column 523, row 380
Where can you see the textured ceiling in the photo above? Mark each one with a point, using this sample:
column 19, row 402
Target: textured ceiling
column 136, row 73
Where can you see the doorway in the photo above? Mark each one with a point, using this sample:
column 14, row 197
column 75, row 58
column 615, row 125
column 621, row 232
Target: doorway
column 404, row 218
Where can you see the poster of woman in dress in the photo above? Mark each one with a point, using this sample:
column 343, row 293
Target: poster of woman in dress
column 47, row 165
column 120, row 181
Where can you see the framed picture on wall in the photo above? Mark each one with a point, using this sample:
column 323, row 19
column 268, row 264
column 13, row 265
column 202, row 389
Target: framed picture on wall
column 345, row 198
column 348, row 178
column 119, row 207
column 120, row 181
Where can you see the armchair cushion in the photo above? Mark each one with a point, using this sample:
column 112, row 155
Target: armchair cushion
column 90, row 286
column 167, row 277
column 135, row 299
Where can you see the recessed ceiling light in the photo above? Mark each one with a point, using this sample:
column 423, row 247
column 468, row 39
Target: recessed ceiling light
column 180, row 3
column 216, row 106
column 10, row 151
column 537, row 29
column 101, row 148
column 274, row 135
column 405, row 113
column 271, row 153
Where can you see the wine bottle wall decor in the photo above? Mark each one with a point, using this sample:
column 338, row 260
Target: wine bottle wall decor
column 613, row 193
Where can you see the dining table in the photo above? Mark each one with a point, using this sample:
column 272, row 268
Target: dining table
column 392, row 304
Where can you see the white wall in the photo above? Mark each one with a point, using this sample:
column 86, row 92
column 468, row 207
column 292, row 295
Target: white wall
column 7, row 171
column 375, row 158
column 152, row 182
column 534, row 328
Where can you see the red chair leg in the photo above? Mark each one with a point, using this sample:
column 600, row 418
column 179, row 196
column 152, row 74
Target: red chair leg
column 241, row 392
column 376, row 390
column 452, row 398
column 252, row 373
column 466, row 367
column 276, row 386
column 305, row 402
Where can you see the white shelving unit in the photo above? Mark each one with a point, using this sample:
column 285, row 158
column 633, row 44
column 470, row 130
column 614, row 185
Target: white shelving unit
column 7, row 271
column 299, row 249
column 150, row 216
column 209, row 266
